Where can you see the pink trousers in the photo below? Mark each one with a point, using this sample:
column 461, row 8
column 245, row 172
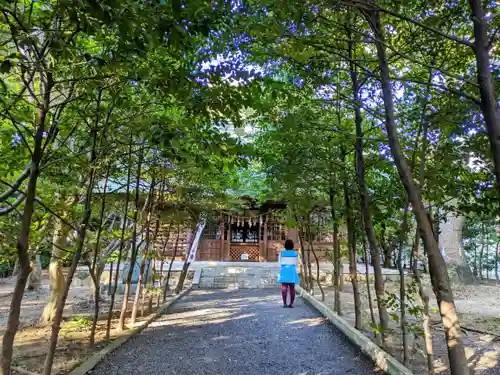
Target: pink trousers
column 284, row 289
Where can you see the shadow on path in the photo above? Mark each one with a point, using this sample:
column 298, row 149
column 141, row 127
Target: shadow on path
column 245, row 332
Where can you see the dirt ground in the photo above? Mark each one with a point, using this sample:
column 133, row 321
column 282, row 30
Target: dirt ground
column 479, row 312
column 32, row 338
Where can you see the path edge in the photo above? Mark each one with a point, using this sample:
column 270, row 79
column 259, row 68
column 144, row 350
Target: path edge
column 381, row 358
column 94, row 359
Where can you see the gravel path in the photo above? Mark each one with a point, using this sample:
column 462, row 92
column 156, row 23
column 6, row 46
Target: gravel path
column 241, row 332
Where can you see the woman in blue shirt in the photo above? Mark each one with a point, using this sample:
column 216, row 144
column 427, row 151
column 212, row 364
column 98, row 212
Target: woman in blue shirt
column 288, row 276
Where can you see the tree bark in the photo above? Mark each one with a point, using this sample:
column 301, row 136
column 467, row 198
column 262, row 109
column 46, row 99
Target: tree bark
column 481, row 253
column 336, row 253
column 95, row 271
column 163, row 255
column 57, row 280
column 365, row 206
column 489, row 104
column 402, row 285
column 122, row 242
column 426, row 323
column 367, row 277
column 35, row 277
column 174, row 254
column 192, row 253
column 437, row 267
column 496, row 261
column 311, row 246
column 23, row 240
column 133, row 255
column 307, row 276
column 138, row 291
column 82, row 231
column 351, row 244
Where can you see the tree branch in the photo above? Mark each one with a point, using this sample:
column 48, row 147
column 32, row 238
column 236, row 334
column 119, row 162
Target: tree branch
column 15, row 185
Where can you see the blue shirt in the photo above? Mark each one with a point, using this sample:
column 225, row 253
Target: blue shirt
column 288, row 272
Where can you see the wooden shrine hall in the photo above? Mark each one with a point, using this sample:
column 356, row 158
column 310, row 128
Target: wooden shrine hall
column 255, row 234
column 256, row 238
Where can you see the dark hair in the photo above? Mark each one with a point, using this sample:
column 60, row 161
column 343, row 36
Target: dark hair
column 288, row 245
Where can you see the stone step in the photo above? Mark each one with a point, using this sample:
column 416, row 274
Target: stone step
column 229, row 276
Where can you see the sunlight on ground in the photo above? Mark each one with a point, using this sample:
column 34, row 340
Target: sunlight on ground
column 204, row 316
column 221, row 338
column 203, row 292
column 487, row 360
column 310, row 322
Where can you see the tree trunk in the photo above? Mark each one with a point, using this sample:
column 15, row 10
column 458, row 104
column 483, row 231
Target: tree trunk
column 351, row 244
column 425, row 301
column 475, row 269
column 496, row 261
column 163, row 255
column 167, row 287
column 368, row 288
column 192, row 253
column 23, row 240
column 437, row 267
column 95, row 271
column 481, row 253
column 309, row 271
column 365, row 207
column 311, row 246
column 450, row 239
column 110, row 278
column 489, row 104
column 122, row 241
column 133, row 255
column 57, row 280
column 386, row 249
column 15, row 270
column 35, row 277
column 145, row 253
column 336, row 253
column 402, row 286
column 307, row 276
column 138, row 289
column 82, row 231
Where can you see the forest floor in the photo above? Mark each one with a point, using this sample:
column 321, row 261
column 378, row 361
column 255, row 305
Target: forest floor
column 478, row 307
column 31, row 342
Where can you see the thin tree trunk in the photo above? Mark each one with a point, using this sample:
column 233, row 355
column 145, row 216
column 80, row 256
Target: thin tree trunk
column 365, row 206
column 481, row 253
column 304, row 260
column 110, row 279
column 133, row 255
column 368, row 288
column 311, row 246
column 192, row 253
column 351, row 244
column 425, row 301
column 489, row 102
column 154, row 271
column 336, row 253
column 176, row 245
column 95, row 273
column 23, row 240
column 138, row 291
column 163, row 255
column 402, row 286
column 496, row 261
column 57, row 281
column 437, row 267
column 475, row 261
column 122, row 242
column 309, row 271
column 56, row 326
